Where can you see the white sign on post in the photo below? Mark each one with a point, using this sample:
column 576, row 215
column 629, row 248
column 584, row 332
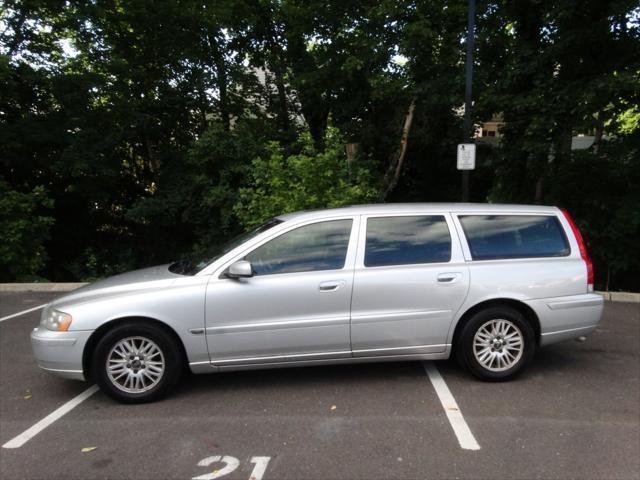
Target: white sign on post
column 466, row 156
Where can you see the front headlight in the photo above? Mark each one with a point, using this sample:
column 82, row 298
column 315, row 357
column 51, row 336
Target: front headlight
column 56, row 320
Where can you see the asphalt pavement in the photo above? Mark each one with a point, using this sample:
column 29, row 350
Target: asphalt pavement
column 574, row 414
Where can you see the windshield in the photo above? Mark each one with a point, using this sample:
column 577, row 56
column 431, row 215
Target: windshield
column 190, row 267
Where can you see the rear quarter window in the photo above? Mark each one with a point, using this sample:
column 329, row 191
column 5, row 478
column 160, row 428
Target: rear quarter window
column 492, row 237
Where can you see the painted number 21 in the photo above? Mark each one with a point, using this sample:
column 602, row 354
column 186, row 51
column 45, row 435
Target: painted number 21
column 230, row 464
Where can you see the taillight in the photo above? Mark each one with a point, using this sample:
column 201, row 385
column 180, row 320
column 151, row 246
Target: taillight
column 583, row 249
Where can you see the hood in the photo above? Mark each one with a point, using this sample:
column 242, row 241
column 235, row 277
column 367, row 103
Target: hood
column 147, row 278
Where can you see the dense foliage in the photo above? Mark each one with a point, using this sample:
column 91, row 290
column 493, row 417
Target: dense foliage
column 136, row 132
column 307, row 180
column 24, row 231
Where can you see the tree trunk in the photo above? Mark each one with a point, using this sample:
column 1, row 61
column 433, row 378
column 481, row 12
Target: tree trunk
column 351, row 150
column 599, row 134
column 278, row 73
column 283, row 111
column 539, row 196
column 562, row 147
column 317, row 119
column 565, row 144
column 314, row 102
column 153, row 161
column 202, row 99
column 217, row 59
column 395, row 166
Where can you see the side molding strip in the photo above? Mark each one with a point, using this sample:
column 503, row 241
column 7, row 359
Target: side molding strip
column 590, row 302
column 275, row 358
column 266, row 326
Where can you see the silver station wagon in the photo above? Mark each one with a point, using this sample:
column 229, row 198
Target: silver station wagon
column 488, row 283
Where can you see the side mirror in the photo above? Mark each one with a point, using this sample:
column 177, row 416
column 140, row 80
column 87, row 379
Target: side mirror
column 239, row 269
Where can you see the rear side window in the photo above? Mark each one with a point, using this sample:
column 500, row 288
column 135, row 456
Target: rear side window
column 407, row 240
column 493, row 237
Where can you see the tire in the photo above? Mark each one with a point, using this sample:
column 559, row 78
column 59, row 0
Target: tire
column 496, row 344
column 146, row 362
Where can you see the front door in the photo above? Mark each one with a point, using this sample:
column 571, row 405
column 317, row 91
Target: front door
column 295, row 307
column 410, row 280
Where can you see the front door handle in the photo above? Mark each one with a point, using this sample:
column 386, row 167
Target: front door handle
column 331, row 285
column 449, row 278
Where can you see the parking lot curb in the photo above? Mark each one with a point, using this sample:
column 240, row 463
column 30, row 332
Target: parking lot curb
column 629, row 297
column 40, row 287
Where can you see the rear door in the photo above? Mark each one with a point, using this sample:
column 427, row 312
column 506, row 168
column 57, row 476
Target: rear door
column 410, row 279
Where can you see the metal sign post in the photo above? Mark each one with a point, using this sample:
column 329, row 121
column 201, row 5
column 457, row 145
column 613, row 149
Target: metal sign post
column 466, row 137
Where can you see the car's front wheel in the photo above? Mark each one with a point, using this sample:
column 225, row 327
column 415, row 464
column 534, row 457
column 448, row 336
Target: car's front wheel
column 496, row 343
column 136, row 362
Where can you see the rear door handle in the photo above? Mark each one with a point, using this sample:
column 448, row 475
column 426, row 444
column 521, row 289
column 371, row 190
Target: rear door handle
column 449, row 278
column 331, row 285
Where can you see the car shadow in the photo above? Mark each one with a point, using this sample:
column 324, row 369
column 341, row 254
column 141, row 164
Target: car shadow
column 297, row 377
column 548, row 360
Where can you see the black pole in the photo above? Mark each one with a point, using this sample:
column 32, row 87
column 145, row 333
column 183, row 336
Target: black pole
column 466, row 137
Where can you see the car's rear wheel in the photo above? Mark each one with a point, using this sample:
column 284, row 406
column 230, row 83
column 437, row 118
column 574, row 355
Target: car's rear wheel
column 136, row 362
column 496, row 344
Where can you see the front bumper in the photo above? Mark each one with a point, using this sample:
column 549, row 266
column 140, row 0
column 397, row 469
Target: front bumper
column 60, row 353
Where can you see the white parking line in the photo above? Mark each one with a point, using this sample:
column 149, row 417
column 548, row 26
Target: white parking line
column 27, row 435
column 22, row 313
column 460, row 428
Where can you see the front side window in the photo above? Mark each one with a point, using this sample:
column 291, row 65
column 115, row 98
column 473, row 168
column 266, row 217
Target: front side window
column 407, row 240
column 319, row 246
column 492, row 237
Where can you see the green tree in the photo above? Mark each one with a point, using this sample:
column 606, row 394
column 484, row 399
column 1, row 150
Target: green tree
column 24, row 228
column 553, row 70
column 281, row 183
column 599, row 188
column 142, row 119
column 196, row 192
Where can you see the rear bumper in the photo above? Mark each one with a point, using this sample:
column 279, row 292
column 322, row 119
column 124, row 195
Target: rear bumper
column 566, row 318
column 570, row 334
column 60, row 353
